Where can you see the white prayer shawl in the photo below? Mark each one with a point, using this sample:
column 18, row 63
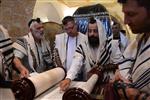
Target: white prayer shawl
column 84, row 55
column 31, row 45
column 124, row 42
column 61, row 44
column 7, row 53
column 104, row 49
column 139, row 62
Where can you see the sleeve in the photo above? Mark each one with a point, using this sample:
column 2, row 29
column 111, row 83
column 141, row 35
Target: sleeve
column 20, row 48
column 75, row 66
column 18, row 54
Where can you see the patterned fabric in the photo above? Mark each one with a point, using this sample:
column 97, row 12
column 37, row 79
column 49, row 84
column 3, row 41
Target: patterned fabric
column 136, row 64
column 61, row 44
column 6, row 51
column 104, row 49
column 35, row 58
column 84, row 54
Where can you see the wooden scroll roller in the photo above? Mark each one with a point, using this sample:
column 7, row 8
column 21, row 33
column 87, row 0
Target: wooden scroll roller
column 83, row 92
column 28, row 88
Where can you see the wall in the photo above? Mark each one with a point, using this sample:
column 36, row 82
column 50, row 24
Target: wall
column 15, row 14
column 47, row 12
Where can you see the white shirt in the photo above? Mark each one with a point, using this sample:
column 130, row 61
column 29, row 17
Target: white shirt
column 71, row 47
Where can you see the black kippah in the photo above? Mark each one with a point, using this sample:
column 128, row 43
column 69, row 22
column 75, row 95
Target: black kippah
column 38, row 20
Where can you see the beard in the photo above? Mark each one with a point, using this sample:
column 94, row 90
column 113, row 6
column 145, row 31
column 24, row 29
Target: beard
column 93, row 41
column 38, row 35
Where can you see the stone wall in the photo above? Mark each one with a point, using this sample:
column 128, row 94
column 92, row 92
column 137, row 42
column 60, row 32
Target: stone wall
column 15, row 14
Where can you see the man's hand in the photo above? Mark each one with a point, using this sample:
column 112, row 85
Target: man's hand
column 130, row 92
column 118, row 77
column 64, row 85
column 19, row 66
column 24, row 72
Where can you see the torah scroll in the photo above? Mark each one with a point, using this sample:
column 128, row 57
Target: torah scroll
column 28, row 88
column 81, row 92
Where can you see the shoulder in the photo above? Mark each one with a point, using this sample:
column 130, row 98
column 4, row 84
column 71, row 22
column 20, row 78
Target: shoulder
column 61, row 35
column 81, row 34
column 21, row 40
column 83, row 37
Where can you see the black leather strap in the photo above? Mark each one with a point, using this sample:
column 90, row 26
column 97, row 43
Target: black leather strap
column 5, row 84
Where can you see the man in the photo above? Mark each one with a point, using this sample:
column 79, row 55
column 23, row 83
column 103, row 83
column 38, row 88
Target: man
column 32, row 52
column 119, row 36
column 95, row 51
column 6, row 52
column 67, row 42
column 6, row 58
column 135, row 68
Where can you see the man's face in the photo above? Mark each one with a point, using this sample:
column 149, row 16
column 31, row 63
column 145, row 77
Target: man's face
column 116, row 30
column 136, row 17
column 37, row 31
column 93, row 35
column 71, row 28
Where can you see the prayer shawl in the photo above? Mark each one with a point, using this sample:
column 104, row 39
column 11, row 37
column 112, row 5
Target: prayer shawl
column 28, row 47
column 137, row 63
column 104, row 49
column 61, row 44
column 84, row 55
column 6, row 52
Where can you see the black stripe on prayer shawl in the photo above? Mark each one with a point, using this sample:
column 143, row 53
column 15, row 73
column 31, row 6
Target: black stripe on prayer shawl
column 107, row 59
column 9, row 61
column 144, row 49
column 6, row 45
column 107, row 49
column 140, row 64
column 126, row 60
column 4, row 40
column 109, row 40
column 124, row 68
column 80, row 50
column 8, row 56
column 105, row 55
column 143, row 80
column 7, row 52
column 21, row 41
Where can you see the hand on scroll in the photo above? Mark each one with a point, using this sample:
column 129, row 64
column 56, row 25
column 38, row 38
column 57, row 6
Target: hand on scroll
column 20, row 67
column 24, row 72
column 127, row 92
column 119, row 77
column 64, row 85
